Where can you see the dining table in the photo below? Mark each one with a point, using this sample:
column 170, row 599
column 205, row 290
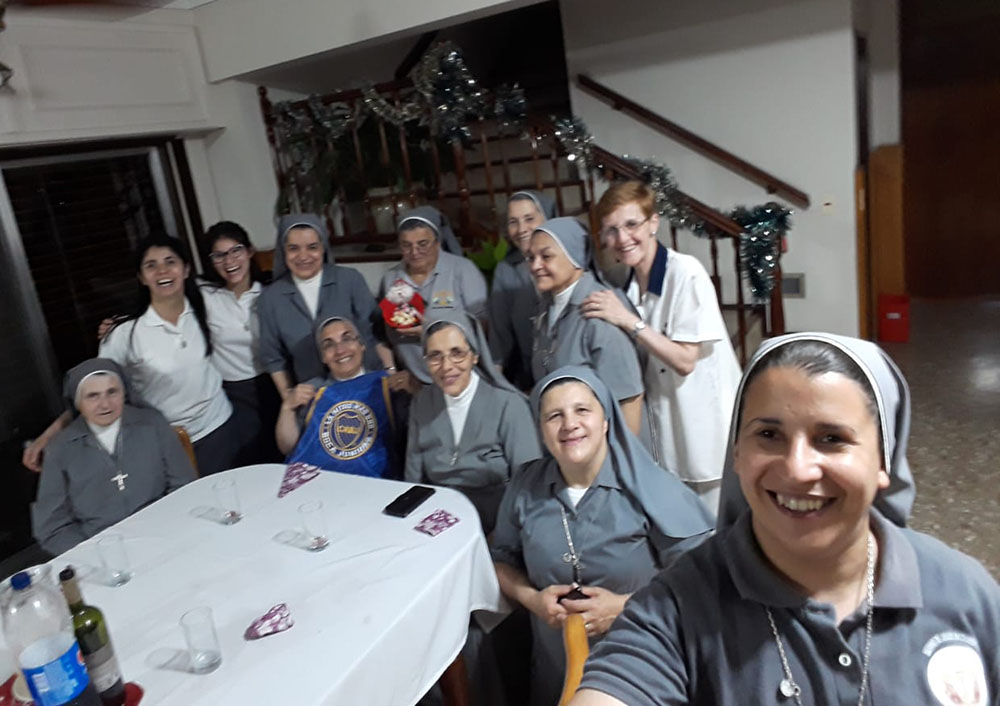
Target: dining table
column 378, row 615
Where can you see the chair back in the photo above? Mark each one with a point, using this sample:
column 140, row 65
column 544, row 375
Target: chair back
column 185, row 440
column 577, row 649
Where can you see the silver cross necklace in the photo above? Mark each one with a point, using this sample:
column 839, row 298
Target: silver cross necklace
column 788, row 687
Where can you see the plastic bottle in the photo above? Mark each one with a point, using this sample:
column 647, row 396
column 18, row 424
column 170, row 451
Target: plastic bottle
column 39, row 632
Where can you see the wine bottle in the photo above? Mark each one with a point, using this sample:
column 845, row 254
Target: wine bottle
column 95, row 643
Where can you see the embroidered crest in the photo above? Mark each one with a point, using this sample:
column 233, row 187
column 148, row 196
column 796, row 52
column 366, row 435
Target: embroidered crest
column 443, row 298
column 348, row 430
column 955, row 671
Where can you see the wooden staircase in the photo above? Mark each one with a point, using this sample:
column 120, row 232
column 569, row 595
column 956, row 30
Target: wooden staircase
column 472, row 182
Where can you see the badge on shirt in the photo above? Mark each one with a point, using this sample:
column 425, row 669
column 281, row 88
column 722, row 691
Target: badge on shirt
column 443, row 298
column 955, row 671
column 348, row 430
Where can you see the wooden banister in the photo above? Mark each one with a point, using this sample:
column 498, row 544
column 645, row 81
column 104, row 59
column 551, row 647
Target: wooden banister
column 771, row 183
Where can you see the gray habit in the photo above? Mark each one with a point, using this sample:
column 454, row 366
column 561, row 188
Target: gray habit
column 455, row 283
column 287, row 329
column 576, row 340
column 77, row 497
column 512, row 308
column 499, row 436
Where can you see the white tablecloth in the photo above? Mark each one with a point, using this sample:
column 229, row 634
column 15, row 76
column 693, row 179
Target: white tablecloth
column 378, row 615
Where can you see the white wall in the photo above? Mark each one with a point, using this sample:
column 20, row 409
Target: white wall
column 241, row 36
column 771, row 81
column 878, row 20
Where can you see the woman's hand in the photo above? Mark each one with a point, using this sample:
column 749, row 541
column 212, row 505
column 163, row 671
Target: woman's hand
column 546, row 605
column 403, row 381
column 598, row 610
column 606, row 305
column 298, row 396
column 32, row 456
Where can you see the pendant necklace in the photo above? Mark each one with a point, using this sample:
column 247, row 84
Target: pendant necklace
column 788, row 687
column 571, row 557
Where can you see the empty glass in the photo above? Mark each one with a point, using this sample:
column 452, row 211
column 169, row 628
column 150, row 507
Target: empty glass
column 202, row 642
column 114, row 559
column 228, row 501
column 314, row 525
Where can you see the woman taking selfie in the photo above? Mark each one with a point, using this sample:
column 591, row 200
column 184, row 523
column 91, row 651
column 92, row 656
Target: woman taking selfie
column 812, row 591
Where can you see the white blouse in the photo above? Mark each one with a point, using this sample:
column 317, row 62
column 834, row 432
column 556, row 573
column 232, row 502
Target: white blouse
column 168, row 370
column 235, row 331
column 309, row 289
column 458, row 407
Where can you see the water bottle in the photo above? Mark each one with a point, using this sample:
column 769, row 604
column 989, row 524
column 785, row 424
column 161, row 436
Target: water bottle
column 39, row 632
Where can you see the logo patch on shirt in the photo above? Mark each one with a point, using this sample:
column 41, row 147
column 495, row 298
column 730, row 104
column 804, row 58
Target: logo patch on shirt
column 955, row 671
column 443, row 298
column 348, row 430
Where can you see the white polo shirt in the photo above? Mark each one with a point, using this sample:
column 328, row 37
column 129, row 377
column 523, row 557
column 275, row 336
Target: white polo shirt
column 690, row 413
column 235, row 331
column 167, row 369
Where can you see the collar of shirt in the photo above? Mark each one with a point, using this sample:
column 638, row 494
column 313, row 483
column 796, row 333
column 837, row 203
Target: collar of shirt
column 404, row 275
column 656, row 275
column 151, row 318
column 80, row 429
column 334, row 380
column 249, row 295
column 606, row 477
column 899, row 576
column 559, row 302
column 107, row 436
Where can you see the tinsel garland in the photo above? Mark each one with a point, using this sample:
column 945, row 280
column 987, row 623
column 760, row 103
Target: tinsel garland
column 510, row 108
column 451, row 92
column 397, row 115
column 760, row 244
column 576, row 140
column 662, row 182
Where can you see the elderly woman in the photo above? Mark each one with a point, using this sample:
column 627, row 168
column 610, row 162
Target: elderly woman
column 812, row 591
column 471, row 430
column 563, row 270
column 691, row 371
column 513, row 298
column 111, row 461
column 307, row 409
column 307, row 288
column 594, row 520
column 444, row 280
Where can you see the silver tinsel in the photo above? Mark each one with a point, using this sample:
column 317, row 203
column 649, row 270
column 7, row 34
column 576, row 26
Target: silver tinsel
column 760, row 244
column 662, row 182
column 398, row 115
column 510, row 108
column 335, row 119
column 450, row 90
column 574, row 137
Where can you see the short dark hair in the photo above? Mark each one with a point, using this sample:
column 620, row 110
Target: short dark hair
column 813, row 358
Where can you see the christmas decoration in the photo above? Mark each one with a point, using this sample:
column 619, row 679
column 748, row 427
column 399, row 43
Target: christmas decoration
column 451, row 92
column 510, row 108
column 760, row 244
column 575, row 139
column 662, row 182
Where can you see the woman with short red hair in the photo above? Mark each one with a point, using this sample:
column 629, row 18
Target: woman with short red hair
column 691, row 372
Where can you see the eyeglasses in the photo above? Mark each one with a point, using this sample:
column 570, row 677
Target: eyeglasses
column 348, row 339
column 235, row 251
column 629, row 228
column 455, row 355
column 422, row 246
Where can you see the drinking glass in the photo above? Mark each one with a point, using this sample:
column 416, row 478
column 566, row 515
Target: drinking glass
column 111, row 550
column 314, row 525
column 228, row 501
column 202, row 642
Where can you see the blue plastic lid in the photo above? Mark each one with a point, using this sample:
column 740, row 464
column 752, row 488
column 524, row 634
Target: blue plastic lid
column 20, row 581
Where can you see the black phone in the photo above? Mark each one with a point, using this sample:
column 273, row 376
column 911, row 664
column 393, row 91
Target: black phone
column 575, row 595
column 409, row 501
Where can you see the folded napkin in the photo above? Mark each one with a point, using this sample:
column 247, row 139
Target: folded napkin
column 436, row 523
column 276, row 620
column 297, row 474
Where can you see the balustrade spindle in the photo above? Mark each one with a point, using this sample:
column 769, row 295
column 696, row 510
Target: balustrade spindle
column 673, row 237
column 359, row 156
column 436, row 158
column 404, row 150
column 555, row 177
column 533, row 138
column 464, row 207
column 716, row 280
column 488, row 166
column 387, row 167
column 741, row 320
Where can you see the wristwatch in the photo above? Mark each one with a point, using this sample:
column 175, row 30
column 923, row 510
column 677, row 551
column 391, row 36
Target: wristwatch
column 636, row 328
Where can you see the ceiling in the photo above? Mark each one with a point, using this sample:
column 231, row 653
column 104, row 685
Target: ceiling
column 166, row 4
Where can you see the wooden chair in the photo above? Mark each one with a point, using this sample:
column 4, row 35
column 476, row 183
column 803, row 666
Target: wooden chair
column 577, row 649
column 188, row 447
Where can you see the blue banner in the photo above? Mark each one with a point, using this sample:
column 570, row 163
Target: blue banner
column 350, row 429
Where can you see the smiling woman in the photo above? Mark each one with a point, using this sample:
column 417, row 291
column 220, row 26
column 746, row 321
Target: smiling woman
column 812, row 589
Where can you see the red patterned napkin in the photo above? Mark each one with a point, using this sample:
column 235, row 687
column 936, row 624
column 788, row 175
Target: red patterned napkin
column 276, row 620
column 297, row 474
column 436, row 523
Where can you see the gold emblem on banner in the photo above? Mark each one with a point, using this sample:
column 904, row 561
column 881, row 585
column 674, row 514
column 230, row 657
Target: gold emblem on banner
column 348, row 430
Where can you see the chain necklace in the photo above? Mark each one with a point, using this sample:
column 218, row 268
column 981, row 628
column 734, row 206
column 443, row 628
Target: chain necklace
column 788, row 687
column 571, row 557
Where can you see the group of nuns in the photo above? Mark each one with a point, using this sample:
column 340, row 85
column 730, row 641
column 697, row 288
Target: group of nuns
column 597, row 430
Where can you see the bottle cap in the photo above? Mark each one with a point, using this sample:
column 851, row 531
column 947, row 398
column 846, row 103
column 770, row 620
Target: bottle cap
column 67, row 574
column 20, row 581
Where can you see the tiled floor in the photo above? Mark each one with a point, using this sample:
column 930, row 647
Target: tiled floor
column 952, row 364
